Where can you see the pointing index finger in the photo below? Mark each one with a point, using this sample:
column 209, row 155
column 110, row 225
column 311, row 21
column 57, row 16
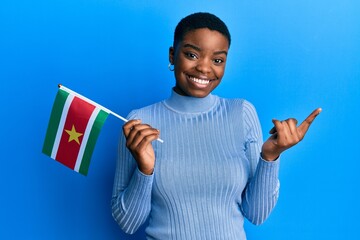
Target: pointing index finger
column 304, row 126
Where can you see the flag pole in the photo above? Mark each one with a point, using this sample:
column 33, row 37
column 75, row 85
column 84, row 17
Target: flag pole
column 98, row 105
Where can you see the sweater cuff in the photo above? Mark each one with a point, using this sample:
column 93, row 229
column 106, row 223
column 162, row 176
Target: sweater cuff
column 268, row 174
column 270, row 167
column 140, row 181
column 139, row 188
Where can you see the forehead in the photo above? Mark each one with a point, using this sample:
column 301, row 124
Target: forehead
column 206, row 39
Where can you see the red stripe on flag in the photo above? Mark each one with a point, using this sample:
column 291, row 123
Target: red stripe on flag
column 77, row 118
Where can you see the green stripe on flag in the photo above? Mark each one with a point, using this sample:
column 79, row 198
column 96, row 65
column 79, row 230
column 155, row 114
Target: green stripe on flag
column 94, row 133
column 54, row 121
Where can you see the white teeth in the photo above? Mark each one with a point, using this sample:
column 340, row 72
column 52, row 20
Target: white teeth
column 201, row 81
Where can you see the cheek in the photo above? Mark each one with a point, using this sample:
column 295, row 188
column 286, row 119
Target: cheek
column 185, row 64
column 220, row 72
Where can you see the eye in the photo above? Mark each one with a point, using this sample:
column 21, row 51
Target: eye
column 190, row 55
column 218, row 61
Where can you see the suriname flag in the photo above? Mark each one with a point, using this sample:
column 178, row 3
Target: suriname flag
column 74, row 126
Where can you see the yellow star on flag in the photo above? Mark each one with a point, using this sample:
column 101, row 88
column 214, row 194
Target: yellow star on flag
column 73, row 135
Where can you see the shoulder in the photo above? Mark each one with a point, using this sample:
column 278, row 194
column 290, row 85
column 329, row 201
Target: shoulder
column 240, row 104
column 144, row 112
column 239, row 110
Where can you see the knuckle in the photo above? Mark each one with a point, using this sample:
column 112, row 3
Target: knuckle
column 291, row 120
column 147, row 138
column 128, row 145
column 135, row 127
column 124, row 128
column 140, row 133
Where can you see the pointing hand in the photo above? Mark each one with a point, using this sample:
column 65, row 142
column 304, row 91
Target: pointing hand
column 286, row 134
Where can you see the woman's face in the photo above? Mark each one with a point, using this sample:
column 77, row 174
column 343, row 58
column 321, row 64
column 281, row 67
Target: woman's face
column 199, row 62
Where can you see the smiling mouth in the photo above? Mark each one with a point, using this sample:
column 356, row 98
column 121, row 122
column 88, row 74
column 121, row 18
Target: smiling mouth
column 199, row 80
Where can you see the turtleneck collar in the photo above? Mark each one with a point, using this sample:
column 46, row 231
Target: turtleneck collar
column 186, row 104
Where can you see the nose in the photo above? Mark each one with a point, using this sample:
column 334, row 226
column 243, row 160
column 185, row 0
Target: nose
column 203, row 65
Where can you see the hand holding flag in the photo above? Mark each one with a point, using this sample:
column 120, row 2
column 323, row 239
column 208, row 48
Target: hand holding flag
column 74, row 126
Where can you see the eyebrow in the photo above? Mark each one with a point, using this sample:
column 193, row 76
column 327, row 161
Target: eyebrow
column 188, row 45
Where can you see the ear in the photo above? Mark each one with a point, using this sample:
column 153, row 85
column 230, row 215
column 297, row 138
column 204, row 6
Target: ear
column 171, row 55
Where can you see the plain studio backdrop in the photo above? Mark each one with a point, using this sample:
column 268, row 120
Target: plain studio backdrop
column 286, row 57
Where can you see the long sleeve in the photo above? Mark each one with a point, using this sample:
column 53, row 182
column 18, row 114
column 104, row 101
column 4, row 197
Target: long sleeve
column 208, row 174
column 262, row 190
column 131, row 199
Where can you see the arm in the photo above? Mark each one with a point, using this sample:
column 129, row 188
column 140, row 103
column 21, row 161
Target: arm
column 262, row 191
column 131, row 199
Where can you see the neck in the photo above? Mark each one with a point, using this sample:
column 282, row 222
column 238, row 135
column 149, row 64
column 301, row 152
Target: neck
column 188, row 104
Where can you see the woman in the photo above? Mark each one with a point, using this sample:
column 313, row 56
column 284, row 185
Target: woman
column 213, row 168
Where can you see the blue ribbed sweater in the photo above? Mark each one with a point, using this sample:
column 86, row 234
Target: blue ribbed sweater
column 208, row 172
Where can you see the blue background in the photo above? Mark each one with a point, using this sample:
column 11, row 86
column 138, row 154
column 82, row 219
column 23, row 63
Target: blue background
column 287, row 58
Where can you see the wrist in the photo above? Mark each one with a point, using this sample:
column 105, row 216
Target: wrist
column 269, row 157
column 147, row 171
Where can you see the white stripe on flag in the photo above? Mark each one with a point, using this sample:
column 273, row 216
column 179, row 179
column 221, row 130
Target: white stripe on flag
column 86, row 138
column 61, row 125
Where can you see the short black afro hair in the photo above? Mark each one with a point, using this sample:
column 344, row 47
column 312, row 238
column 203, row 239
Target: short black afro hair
column 200, row 20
